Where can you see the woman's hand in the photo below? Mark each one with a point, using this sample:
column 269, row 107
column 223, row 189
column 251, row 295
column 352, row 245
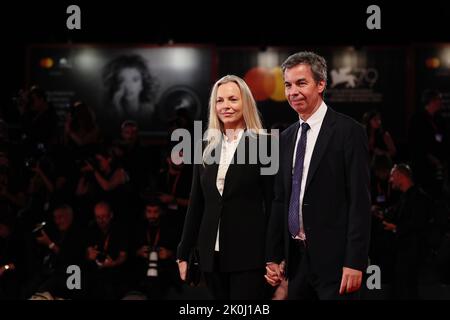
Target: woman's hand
column 182, row 268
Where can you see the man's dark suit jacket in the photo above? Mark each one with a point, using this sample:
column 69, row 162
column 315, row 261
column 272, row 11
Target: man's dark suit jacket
column 336, row 202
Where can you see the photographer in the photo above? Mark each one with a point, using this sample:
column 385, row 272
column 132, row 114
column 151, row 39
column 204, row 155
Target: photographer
column 61, row 246
column 40, row 174
column 39, row 120
column 106, row 253
column 40, row 188
column 138, row 160
column 381, row 251
column 155, row 244
column 428, row 144
column 175, row 182
column 21, row 102
column 80, row 127
column 410, row 225
column 104, row 178
column 174, row 185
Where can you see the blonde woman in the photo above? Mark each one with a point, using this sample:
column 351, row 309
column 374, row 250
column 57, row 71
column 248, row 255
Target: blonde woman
column 230, row 200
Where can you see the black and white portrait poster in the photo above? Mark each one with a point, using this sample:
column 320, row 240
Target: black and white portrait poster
column 146, row 84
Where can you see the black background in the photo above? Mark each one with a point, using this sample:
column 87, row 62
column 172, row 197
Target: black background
column 221, row 23
column 217, row 23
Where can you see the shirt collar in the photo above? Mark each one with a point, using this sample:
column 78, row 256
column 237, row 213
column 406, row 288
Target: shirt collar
column 226, row 139
column 318, row 116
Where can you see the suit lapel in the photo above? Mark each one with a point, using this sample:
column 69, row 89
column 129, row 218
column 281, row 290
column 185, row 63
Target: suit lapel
column 233, row 167
column 213, row 168
column 326, row 132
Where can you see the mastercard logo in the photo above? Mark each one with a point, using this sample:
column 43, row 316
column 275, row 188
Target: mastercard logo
column 266, row 83
column 46, row 63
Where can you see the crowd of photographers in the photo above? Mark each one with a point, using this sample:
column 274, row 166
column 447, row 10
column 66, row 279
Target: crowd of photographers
column 71, row 196
column 115, row 206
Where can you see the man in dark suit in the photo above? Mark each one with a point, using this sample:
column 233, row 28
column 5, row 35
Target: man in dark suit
column 320, row 221
column 410, row 225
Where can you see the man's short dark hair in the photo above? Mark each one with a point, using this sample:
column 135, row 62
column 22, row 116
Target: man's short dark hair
column 104, row 203
column 153, row 202
column 65, row 208
column 317, row 63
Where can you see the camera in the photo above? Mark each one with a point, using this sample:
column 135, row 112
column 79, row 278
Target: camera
column 152, row 270
column 30, row 162
column 37, row 231
column 101, row 257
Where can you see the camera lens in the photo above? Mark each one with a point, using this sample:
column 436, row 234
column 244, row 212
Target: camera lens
column 152, row 270
column 39, row 228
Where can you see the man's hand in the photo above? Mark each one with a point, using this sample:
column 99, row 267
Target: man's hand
column 274, row 273
column 281, row 293
column 166, row 198
column 389, row 226
column 351, row 280
column 44, row 239
column 182, row 268
column 164, row 253
column 108, row 263
column 92, row 253
column 143, row 252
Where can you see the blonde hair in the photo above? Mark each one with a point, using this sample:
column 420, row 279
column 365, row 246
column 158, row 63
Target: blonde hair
column 250, row 112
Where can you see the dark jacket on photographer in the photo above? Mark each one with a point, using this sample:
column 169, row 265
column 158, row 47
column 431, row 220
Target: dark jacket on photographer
column 162, row 234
